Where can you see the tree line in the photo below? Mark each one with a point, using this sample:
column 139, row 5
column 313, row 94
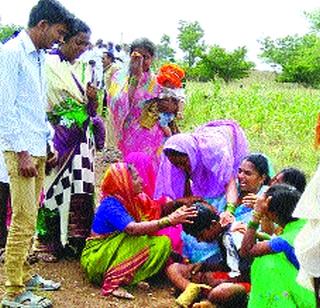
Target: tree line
column 296, row 58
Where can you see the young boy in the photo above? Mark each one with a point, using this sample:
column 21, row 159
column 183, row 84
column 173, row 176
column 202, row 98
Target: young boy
column 170, row 78
column 24, row 134
column 225, row 283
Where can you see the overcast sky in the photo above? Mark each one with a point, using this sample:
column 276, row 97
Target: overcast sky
column 228, row 23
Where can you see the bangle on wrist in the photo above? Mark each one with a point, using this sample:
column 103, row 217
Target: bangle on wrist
column 164, row 222
column 253, row 225
column 231, row 208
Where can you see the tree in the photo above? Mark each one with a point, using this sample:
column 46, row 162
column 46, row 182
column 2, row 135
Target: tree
column 226, row 65
column 298, row 57
column 314, row 19
column 8, row 30
column 164, row 51
column 190, row 40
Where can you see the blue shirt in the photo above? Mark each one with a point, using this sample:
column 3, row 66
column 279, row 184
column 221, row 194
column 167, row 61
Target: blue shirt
column 278, row 245
column 111, row 216
column 23, row 102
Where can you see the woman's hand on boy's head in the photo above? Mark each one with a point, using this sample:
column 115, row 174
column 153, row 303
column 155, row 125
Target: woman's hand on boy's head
column 183, row 215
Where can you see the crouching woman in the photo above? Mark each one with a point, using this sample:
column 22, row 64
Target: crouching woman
column 123, row 249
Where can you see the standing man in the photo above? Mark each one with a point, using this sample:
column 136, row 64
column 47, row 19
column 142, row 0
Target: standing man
column 24, row 134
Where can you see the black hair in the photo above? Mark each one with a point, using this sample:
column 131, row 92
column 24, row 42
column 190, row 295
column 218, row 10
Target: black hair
column 52, row 11
column 77, row 27
column 202, row 221
column 261, row 164
column 110, row 55
column 145, row 44
column 284, row 199
column 295, row 178
column 174, row 152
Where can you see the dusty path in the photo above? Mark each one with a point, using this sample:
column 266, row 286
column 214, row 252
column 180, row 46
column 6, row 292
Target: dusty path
column 77, row 292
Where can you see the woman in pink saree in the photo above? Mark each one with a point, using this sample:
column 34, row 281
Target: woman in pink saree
column 131, row 100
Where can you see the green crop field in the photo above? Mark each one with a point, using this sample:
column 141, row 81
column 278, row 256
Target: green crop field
column 278, row 119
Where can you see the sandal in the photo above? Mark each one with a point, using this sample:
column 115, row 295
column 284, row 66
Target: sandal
column 122, row 293
column 40, row 284
column 26, row 300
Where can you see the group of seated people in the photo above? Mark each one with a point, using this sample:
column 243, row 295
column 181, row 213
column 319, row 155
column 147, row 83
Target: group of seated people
column 215, row 219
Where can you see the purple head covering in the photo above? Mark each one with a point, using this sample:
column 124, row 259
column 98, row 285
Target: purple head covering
column 215, row 151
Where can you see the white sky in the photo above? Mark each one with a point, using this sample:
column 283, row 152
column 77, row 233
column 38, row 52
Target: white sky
column 228, row 23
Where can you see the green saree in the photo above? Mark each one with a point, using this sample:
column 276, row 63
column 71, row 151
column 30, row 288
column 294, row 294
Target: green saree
column 273, row 278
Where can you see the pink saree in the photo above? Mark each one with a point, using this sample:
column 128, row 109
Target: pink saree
column 126, row 111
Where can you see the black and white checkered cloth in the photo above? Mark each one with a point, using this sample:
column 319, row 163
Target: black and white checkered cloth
column 75, row 177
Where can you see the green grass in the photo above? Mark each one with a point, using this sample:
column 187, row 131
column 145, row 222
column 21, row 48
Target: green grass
column 278, row 119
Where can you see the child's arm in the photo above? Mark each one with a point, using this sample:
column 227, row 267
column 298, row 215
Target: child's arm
column 180, row 109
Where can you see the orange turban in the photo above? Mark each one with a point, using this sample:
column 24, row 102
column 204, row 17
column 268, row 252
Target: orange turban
column 171, row 73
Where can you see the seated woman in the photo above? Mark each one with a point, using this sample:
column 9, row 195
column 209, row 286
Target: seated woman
column 203, row 163
column 253, row 178
column 275, row 260
column 123, row 249
column 230, row 284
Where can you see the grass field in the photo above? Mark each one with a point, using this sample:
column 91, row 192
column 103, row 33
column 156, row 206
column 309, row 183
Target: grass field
column 278, row 119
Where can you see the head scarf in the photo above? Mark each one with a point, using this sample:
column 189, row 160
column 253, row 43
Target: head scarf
column 215, row 151
column 117, row 183
column 144, row 166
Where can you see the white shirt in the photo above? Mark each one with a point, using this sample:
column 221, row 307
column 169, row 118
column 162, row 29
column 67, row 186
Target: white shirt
column 23, row 101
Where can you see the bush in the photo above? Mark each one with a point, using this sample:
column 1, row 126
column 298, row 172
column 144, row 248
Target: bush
column 8, row 30
column 298, row 57
column 222, row 64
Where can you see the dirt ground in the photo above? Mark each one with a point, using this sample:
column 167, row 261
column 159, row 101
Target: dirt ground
column 76, row 291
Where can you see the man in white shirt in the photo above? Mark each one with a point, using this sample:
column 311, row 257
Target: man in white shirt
column 23, row 139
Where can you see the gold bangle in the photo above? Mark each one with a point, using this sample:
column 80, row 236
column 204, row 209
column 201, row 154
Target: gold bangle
column 164, row 222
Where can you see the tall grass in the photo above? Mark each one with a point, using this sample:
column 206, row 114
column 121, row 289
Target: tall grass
column 278, row 119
